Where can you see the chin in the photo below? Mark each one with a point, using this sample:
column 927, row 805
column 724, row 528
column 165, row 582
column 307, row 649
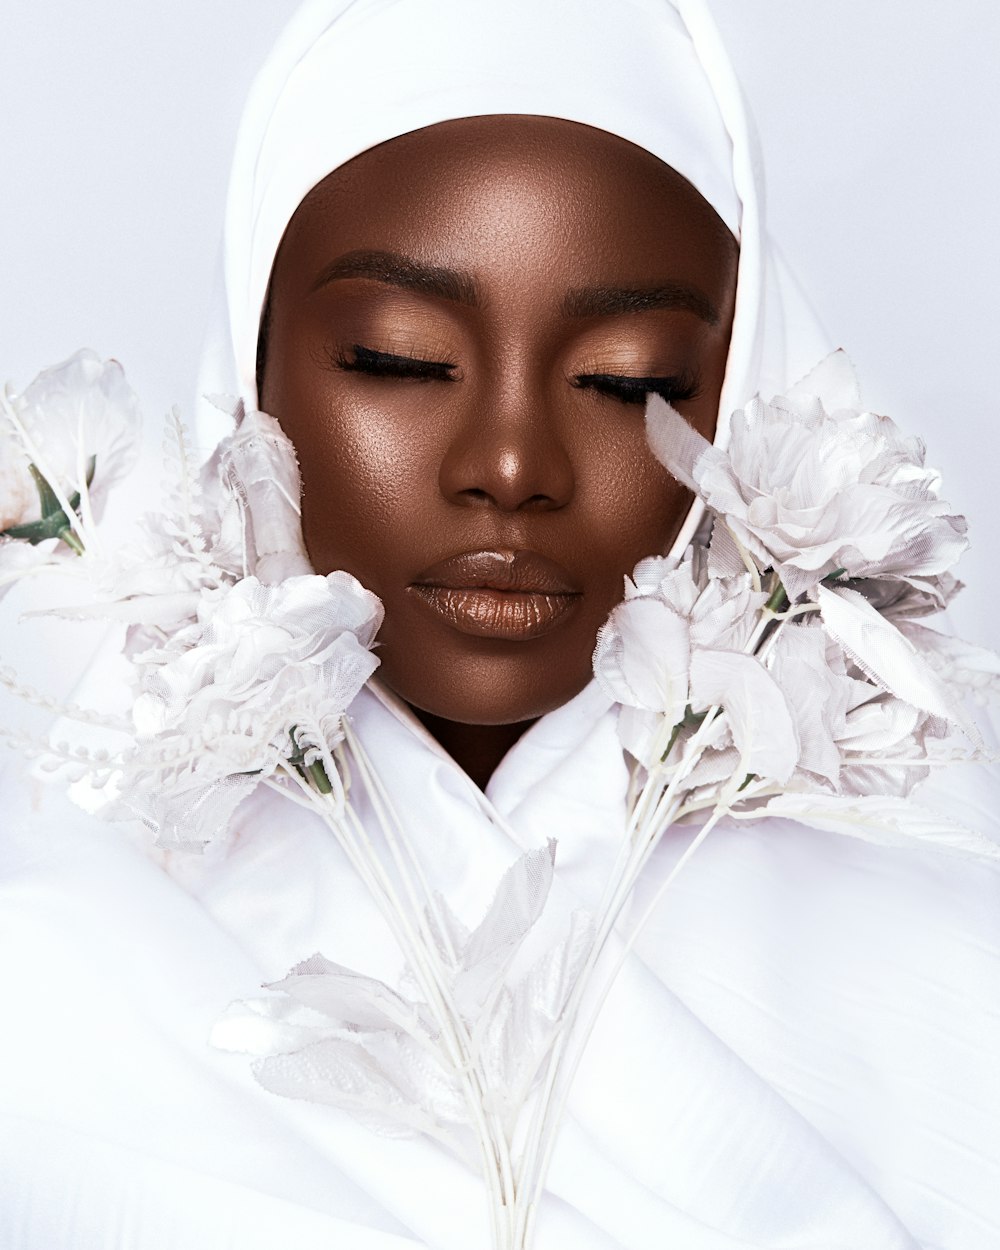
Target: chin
column 487, row 693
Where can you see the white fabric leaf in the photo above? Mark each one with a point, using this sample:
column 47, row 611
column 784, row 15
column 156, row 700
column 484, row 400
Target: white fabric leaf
column 526, row 1018
column 887, row 656
column 342, row 1073
column 976, row 669
column 513, row 912
column 266, row 1026
column 883, row 819
column 350, row 998
column 835, row 379
column 448, row 933
column 677, row 445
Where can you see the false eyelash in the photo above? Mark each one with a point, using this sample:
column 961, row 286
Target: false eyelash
column 388, row 365
column 674, row 389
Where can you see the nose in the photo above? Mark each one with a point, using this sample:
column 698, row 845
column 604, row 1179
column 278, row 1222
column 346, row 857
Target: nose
column 508, row 453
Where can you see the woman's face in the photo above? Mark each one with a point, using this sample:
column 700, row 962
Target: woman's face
column 463, row 325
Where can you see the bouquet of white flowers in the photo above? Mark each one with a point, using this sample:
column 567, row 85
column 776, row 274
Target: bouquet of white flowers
column 780, row 668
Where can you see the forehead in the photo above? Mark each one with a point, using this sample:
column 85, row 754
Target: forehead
column 477, row 191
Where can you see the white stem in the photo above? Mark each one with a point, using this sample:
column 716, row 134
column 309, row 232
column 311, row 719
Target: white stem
column 417, row 945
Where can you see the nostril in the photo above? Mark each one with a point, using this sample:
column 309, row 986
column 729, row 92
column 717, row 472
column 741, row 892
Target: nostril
column 539, row 501
column 475, row 495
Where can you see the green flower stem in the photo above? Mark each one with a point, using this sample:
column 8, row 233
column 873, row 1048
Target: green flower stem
column 71, row 540
column 317, row 777
column 778, row 600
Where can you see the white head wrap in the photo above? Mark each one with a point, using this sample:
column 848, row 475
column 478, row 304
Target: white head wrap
column 347, row 75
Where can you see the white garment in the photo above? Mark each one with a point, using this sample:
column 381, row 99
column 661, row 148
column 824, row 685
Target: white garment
column 802, row 1056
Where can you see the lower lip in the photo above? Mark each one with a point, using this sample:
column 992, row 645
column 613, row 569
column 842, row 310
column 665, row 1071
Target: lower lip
column 515, row 615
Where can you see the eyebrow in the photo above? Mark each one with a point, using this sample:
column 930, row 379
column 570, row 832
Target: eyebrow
column 604, row 301
column 395, row 269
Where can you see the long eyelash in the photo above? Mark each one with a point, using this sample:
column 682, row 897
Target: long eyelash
column 388, row 365
column 674, row 389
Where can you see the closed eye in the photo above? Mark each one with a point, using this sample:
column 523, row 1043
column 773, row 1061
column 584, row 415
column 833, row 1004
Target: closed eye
column 631, row 390
column 388, row 365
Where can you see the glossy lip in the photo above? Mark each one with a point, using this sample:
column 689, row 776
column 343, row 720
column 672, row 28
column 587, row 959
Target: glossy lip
column 512, row 595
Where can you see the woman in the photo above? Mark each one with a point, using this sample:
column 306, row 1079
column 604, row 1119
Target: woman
column 459, row 367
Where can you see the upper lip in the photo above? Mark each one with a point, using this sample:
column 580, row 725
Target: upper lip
column 524, row 572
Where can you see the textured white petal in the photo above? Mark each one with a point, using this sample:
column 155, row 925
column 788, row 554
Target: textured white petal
column 642, row 654
column 755, row 709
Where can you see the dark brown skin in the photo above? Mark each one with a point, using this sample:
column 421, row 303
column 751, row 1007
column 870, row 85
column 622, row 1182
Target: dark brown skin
column 512, row 438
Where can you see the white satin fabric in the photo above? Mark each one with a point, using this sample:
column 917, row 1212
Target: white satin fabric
column 801, row 1055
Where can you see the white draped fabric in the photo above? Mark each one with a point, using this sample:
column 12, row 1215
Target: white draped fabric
column 802, row 1054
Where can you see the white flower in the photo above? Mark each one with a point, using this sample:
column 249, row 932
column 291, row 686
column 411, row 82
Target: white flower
column 680, row 641
column 854, row 737
column 811, row 492
column 75, row 415
column 812, row 672
column 265, row 674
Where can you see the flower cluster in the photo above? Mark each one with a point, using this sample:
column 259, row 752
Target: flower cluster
column 244, row 661
column 260, row 680
column 785, row 658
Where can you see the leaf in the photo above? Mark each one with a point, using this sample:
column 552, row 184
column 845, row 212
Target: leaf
column 881, row 819
column 834, row 380
column 676, row 444
column 341, row 1073
column 516, row 907
column 525, row 1021
column 886, row 656
column 449, row 934
column 976, row 669
column 353, row 999
column 265, row 1026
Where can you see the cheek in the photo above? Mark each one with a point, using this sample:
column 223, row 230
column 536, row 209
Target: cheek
column 365, row 473
column 628, row 505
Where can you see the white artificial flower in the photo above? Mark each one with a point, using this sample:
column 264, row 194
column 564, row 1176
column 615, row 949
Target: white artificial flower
column 678, row 640
column 18, row 493
column 811, row 671
column 264, row 674
column 812, row 492
column 72, row 414
column 854, row 737
column 19, row 559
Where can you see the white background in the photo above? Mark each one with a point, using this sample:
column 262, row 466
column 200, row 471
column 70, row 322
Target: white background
column 878, row 122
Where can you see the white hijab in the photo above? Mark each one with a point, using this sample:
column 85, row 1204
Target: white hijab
column 347, row 75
